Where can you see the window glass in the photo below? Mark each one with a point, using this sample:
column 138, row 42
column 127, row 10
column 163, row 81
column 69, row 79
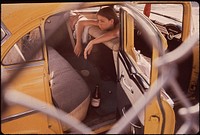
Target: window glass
column 136, row 44
column 26, row 49
column 142, row 50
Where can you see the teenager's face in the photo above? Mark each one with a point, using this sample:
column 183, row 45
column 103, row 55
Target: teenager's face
column 104, row 23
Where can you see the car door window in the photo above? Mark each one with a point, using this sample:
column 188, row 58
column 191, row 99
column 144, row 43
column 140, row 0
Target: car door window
column 26, row 49
column 136, row 45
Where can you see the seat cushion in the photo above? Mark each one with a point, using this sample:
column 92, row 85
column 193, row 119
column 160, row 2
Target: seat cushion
column 69, row 90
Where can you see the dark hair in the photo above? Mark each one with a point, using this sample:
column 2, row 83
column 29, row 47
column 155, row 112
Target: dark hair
column 109, row 13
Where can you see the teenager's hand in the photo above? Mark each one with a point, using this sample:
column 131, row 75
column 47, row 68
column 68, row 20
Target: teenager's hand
column 78, row 49
column 88, row 49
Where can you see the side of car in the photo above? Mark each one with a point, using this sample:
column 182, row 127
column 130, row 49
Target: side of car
column 54, row 66
column 26, row 58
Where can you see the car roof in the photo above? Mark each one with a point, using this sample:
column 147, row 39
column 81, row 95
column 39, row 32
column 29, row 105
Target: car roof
column 15, row 16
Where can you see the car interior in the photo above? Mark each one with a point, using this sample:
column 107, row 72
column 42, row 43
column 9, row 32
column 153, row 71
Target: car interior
column 99, row 69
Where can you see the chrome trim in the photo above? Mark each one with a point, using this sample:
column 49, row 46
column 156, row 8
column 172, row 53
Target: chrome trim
column 8, row 33
column 17, row 116
column 26, row 65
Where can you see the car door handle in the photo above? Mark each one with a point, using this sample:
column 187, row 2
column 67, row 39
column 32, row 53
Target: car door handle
column 125, row 84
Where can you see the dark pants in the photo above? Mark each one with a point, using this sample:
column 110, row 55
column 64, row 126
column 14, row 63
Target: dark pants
column 102, row 57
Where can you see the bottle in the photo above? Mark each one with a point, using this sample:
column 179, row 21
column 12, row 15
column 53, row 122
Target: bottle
column 95, row 101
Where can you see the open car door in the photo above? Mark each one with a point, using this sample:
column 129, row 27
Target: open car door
column 142, row 41
column 136, row 72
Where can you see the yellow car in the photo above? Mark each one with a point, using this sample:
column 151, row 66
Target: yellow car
column 40, row 71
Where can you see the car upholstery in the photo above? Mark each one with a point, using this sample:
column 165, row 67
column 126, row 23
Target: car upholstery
column 69, row 90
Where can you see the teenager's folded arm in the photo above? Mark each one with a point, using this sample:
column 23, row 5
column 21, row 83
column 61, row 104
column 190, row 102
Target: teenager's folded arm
column 106, row 36
column 103, row 38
